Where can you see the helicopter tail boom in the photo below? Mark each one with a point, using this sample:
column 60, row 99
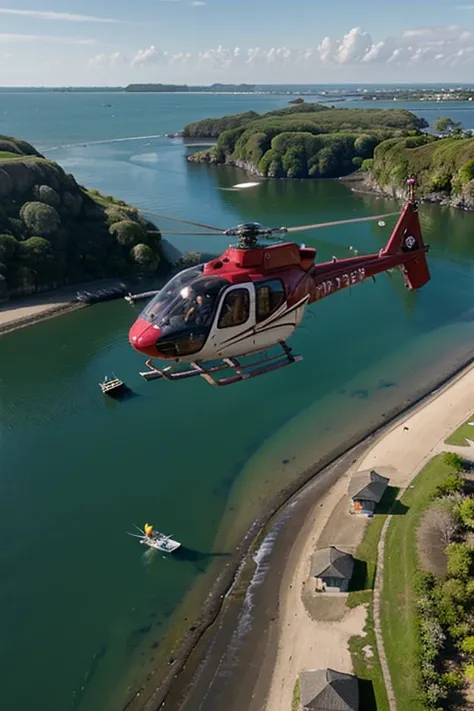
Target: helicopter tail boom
column 406, row 238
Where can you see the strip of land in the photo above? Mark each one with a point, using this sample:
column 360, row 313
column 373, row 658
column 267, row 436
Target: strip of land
column 306, row 641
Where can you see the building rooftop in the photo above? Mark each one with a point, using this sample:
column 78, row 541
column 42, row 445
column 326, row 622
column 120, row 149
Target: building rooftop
column 328, row 690
column 332, row 563
column 367, row 486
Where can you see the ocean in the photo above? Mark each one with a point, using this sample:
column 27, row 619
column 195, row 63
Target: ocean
column 82, row 609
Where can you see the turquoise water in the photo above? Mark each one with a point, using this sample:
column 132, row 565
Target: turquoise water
column 80, row 605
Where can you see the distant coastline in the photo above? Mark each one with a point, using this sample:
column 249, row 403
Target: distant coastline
column 363, row 92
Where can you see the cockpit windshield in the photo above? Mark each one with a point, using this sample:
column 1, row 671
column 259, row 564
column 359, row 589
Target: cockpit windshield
column 189, row 299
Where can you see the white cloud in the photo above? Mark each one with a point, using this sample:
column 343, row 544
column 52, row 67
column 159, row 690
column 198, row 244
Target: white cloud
column 357, row 54
column 10, row 37
column 148, row 56
column 198, row 3
column 63, row 16
column 106, row 60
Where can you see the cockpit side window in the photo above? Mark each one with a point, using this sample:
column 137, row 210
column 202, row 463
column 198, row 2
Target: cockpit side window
column 235, row 310
column 270, row 295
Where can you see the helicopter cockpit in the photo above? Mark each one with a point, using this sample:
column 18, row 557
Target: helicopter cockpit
column 184, row 311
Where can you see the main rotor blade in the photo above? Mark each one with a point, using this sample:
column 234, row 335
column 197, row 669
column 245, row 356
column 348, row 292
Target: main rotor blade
column 192, row 234
column 340, row 222
column 184, row 222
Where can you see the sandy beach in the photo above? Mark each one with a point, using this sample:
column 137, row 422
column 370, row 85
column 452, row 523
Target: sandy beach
column 19, row 313
column 400, row 453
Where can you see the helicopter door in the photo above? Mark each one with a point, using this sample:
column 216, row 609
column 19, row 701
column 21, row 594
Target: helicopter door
column 235, row 318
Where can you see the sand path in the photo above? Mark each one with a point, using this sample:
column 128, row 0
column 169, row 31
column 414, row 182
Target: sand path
column 305, row 643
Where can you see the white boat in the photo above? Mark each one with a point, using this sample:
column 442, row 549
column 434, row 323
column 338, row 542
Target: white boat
column 154, row 539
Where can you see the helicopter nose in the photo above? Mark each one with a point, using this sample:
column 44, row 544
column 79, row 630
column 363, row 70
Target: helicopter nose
column 143, row 337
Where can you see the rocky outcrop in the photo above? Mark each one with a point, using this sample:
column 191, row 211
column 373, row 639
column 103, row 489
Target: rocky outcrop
column 55, row 232
column 366, row 183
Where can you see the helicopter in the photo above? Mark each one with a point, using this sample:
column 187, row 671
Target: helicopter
column 253, row 297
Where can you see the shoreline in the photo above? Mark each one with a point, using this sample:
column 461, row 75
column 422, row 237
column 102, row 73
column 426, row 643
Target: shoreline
column 26, row 311
column 192, row 653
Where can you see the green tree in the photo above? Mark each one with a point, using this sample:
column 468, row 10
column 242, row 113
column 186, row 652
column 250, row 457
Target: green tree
column 327, row 162
column 8, row 248
column 466, row 173
column 143, row 255
column 445, row 124
column 365, row 144
column 452, row 484
column 39, row 218
column 454, row 461
column 466, row 512
column 459, row 560
column 127, row 233
column 467, row 645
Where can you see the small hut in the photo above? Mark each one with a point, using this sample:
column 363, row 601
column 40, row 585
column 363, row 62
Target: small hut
column 332, row 569
column 328, row 690
column 366, row 490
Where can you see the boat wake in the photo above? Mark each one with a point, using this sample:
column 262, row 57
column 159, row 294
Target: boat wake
column 101, row 142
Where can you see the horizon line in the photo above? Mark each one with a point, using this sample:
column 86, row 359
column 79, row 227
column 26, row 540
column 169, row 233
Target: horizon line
column 221, row 83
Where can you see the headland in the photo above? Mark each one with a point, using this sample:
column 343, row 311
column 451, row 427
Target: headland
column 55, row 233
column 379, row 149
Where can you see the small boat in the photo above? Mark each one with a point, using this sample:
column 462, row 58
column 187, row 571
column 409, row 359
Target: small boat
column 154, row 539
column 112, row 386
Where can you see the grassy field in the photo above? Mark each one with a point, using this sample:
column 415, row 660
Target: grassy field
column 458, row 438
column 367, row 669
column 362, row 582
column 363, row 649
column 397, row 598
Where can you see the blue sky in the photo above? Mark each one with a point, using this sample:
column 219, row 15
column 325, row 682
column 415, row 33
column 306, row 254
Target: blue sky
column 49, row 42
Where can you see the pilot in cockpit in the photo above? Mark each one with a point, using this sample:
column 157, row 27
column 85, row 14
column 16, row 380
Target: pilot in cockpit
column 199, row 312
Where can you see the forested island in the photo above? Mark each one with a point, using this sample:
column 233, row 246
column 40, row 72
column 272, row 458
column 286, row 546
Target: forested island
column 55, row 232
column 382, row 147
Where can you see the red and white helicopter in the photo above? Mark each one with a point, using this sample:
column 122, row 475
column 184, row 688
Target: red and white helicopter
column 253, row 298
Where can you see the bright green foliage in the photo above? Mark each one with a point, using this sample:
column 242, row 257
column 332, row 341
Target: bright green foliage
column 469, row 672
column 303, row 140
column 450, row 485
column 466, row 173
column 454, row 460
column 459, row 559
column 466, row 512
column 467, row 645
column 367, row 164
column 435, row 162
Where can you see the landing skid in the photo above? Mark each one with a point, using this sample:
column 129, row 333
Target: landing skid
column 242, row 372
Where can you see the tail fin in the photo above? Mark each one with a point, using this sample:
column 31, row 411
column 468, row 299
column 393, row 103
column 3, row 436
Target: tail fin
column 407, row 238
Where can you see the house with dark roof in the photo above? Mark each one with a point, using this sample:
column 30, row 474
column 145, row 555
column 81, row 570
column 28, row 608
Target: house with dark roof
column 332, row 569
column 328, row 690
column 366, row 490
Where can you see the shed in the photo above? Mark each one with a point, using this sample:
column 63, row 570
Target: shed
column 328, row 690
column 366, row 489
column 332, row 569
